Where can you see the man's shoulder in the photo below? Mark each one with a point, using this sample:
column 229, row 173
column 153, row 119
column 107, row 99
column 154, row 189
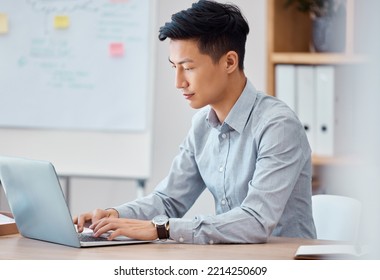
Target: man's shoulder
column 272, row 106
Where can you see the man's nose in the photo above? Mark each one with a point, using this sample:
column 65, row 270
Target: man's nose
column 180, row 81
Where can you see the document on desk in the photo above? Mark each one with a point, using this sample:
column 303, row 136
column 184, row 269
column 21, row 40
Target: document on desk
column 332, row 251
column 6, row 220
column 7, row 225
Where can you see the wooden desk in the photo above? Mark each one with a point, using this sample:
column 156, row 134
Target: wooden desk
column 15, row 247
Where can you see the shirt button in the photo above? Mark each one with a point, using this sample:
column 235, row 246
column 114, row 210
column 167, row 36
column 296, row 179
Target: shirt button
column 211, row 242
column 221, row 169
column 181, row 239
column 224, row 136
column 223, row 202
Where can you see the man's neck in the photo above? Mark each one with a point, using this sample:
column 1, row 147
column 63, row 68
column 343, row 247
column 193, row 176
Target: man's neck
column 237, row 85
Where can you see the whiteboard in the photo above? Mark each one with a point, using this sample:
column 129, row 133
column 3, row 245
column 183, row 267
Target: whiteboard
column 76, row 84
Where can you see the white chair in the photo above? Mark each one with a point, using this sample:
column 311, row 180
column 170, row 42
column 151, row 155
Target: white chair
column 336, row 217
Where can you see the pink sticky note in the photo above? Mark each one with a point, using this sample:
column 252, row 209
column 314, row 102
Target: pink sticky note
column 116, row 49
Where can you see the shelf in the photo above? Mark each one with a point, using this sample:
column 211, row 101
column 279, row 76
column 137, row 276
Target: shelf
column 325, row 160
column 316, row 58
column 289, row 35
column 318, row 160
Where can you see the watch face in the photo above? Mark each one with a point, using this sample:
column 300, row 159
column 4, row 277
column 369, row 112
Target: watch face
column 160, row 220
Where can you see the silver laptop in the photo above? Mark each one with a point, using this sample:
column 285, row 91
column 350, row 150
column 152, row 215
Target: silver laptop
column 39, row 207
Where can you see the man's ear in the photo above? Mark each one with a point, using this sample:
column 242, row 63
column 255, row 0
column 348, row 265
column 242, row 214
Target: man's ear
column 232, row 61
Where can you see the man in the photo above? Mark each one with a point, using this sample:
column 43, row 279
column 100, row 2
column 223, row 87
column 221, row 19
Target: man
column 247, row 148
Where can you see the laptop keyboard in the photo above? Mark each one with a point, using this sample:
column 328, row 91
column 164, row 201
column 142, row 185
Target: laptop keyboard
column 90, row 238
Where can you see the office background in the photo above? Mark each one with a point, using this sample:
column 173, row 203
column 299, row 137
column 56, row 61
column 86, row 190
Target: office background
column 171, row 118
column 171, row 115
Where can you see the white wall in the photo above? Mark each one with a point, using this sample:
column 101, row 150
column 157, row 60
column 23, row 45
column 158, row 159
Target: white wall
column 172, row 115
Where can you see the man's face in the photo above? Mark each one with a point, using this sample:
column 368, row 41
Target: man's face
column 201, row 81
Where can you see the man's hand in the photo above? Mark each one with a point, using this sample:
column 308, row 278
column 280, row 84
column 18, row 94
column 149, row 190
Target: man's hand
column 93, row 217
column 137, row 229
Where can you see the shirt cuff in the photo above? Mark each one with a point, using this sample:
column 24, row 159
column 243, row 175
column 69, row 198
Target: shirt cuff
column 181, row 230
column 124, row 212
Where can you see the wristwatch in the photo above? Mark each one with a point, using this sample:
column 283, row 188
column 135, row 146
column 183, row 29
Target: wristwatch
column 161, row 222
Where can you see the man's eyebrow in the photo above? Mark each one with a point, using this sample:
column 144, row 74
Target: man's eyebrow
column 186, row 60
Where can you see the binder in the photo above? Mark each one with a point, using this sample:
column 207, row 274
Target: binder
column 306, row 109
column 325, row 103
column 285, row 84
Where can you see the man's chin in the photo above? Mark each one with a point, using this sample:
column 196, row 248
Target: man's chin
column 196, row 106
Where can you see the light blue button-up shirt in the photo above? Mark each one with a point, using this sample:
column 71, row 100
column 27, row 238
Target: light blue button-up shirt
column 257, row 165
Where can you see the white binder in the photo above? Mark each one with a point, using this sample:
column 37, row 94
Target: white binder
column 325, row 103
column 285, row 84
column 306, row 109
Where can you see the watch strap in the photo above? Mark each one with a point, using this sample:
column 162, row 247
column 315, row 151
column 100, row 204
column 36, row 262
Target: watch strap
column 162, row 231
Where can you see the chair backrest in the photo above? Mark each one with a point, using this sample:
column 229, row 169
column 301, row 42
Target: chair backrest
column 336, row 217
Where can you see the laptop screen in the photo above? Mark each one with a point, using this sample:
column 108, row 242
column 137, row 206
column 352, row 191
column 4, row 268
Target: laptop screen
column 37, row 201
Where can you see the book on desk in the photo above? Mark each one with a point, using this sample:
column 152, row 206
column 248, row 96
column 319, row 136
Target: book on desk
column 7, row 224
column 330, row 251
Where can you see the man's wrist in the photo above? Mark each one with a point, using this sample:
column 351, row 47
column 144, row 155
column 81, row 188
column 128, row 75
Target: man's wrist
column 161, row 223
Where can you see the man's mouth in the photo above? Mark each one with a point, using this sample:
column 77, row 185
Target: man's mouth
column 188, row 95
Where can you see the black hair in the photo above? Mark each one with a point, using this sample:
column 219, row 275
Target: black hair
column 217, row 27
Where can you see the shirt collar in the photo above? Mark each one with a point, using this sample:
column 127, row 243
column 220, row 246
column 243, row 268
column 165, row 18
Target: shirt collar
column 240, row 112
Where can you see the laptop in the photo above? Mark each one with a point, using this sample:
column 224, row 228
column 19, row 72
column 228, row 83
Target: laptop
column 39, row 207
